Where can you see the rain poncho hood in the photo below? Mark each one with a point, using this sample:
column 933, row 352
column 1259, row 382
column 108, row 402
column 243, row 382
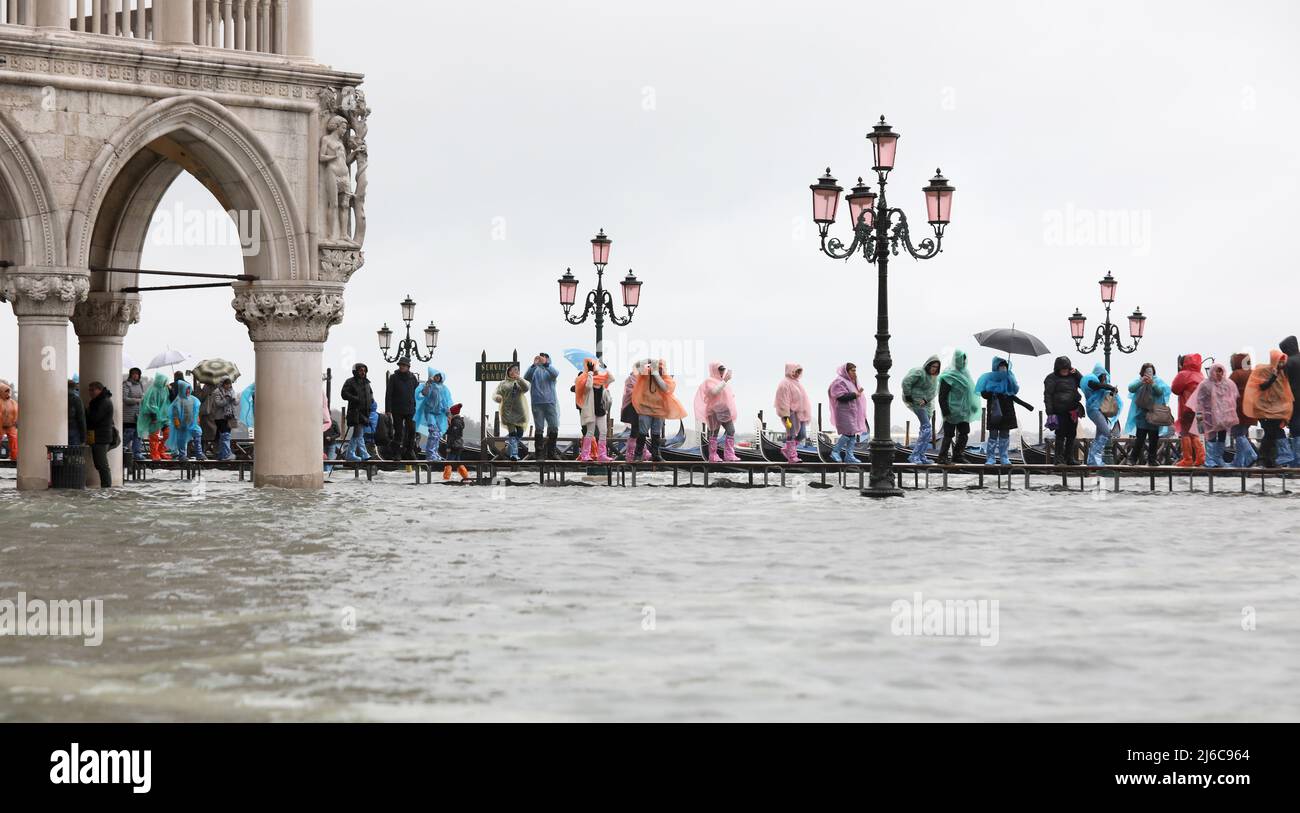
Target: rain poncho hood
column 1216, row 401
column 706, row 403
column 433, row 401
column 919, row 386
column 850, row 416
column 1188, row 379
column 657, row 402
column 1291, row 347
column 998, row 382
column 155, row 409
column 1099, row 375
column 1159, row 395
column 1274, row 403
column 791, row 397
column 1240, row 377
column 246, row 404
column 963, row 399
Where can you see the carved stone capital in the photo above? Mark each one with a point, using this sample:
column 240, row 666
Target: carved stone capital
column 106, row 314
column 44, row 291
column 339, row 263
column 280, row 312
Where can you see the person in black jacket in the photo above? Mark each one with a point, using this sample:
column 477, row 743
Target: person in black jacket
column 1291, row 347
column 99, row 430
column 1061, row 401
column 399, row 405
column 455, row 444
column 76, row 417
column 358, row 395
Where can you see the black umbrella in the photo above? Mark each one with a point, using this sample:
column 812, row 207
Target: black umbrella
column 1010, row 340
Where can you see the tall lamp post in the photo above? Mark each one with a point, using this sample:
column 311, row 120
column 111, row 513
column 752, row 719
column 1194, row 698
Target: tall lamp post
column 600, row 301
column 1107, row 336
column 408, row 348
column 879, row 231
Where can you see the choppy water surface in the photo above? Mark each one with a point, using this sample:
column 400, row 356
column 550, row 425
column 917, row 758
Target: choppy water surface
column 531, row 603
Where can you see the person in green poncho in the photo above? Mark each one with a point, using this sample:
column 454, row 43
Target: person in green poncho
column 960, row 404
column 919, row 388
column 156, row 417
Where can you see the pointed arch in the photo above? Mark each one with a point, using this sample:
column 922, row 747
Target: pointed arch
column 133, row 170
column 31, row 229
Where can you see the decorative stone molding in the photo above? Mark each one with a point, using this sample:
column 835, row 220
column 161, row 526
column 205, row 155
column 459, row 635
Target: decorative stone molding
column 44, row 292
column 339, row 263
column 279, row 313
column 106, row 314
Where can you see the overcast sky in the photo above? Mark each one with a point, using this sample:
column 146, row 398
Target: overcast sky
column 505, row 134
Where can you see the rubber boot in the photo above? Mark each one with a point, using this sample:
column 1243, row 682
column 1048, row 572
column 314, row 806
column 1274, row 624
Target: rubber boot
column 646, row 457
column 1188, row 458
column 656, row 443
column 849, row 457
column 991, row 452
column 944, row 448
column 1213, row 454
column 713, row 451
column 1004, row 454
column 446, row 473
column 791, row 451
column 587, row 443
column 464, row 473
column 1295, row 452
column 539, row 446
column 729, row 450
column 1285, row 452
column 837, row 451
column 1245, row 457
column 602, row 452
column 1198, row 447
column 630, row 450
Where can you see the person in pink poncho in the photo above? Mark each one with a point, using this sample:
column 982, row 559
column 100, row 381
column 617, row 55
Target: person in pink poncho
column 715, row 405
column 1215, row 402
column 794, row 408
column 849, row 408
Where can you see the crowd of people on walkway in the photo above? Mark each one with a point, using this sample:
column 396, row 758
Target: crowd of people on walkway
column 1206, row 409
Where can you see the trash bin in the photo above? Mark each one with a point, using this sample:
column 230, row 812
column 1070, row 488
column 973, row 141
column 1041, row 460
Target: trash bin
column 67, row 466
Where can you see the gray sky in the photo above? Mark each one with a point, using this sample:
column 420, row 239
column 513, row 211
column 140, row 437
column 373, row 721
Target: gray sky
column 505, row 134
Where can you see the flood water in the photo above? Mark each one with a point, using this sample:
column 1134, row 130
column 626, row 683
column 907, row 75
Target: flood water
column 387, row 601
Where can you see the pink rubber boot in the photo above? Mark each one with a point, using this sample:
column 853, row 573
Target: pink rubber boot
column 713, row 451
column 602, row 455
column 729, row 450
column 587, row 443
column 791, row 451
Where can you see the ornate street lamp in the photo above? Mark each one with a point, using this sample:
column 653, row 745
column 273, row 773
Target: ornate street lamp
column 878, row 232
column 408, row 348
column 1108, row 336
column 600, row 301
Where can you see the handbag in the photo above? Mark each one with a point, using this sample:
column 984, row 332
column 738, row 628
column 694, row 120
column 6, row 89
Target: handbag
column 117, row 439
column 1160, row 415
column 1145, row 398
column 1109, row 406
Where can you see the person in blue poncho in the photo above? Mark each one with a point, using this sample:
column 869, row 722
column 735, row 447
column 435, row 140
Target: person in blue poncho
column 246, row 405
column 433, row 405
column 999, row 388
column 1146, row 392
column 1096, row 387
column 185, row 422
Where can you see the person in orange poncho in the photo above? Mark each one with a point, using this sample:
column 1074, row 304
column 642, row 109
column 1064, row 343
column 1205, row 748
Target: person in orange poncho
column 592, row 393
column 9, row 419
column 1269, row 400
column 653, row 398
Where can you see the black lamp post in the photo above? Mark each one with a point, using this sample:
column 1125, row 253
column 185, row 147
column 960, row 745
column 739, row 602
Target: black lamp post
column 879, row 231
column 1108, row 336
column 408, row 348
column 600, row 301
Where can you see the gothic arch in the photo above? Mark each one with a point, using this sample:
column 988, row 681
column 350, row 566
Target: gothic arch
column 133, row 170
column 30, row 227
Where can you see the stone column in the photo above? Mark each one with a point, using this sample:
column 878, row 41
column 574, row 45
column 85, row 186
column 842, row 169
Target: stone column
column 52, row 13
column 300, row 28
column 43, row 298
column 288, row 323
column 174, row 21
column 101, row 323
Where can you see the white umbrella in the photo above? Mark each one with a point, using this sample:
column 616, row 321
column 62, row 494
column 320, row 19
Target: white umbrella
column 168, row 358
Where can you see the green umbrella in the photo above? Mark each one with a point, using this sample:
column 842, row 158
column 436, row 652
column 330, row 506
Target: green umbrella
column 212, row 371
